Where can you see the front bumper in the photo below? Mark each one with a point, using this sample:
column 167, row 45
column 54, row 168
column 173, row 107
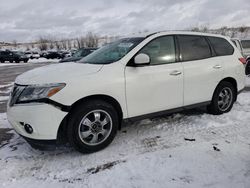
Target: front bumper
column 45, row 120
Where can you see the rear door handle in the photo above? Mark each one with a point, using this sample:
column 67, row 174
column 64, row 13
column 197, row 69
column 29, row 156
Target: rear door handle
column 217, row 67
column 175, row 73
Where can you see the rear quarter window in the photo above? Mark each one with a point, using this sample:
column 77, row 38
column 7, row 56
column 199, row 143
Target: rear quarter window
column 193, row 47
column 221, row 46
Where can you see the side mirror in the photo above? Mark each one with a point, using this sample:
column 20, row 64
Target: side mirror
column 141, row 59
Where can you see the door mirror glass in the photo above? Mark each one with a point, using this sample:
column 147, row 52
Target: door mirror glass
column 141, row 59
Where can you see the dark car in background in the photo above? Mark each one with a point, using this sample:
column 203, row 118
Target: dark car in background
column 79, row 54
column 53, row 55
column 13, row 56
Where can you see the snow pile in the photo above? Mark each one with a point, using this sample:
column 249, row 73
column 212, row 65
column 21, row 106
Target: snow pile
column 248, row 81
column 189, row 149
column 43, row 60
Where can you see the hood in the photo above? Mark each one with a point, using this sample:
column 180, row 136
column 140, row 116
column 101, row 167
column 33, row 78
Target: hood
column 57, row 73
column 69, row 59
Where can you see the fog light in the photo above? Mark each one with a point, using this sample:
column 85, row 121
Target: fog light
column 28, row 128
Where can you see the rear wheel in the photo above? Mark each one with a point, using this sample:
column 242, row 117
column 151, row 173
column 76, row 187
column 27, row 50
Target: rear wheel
column 223, row 98
column 17, row 61
column 93, row 126
column 2, row 61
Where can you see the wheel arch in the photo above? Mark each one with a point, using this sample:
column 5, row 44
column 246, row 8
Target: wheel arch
column 233, row 82
column 61, row 133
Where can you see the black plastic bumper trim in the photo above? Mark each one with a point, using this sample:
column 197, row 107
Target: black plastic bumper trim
column 40, row 144
column 62, row 107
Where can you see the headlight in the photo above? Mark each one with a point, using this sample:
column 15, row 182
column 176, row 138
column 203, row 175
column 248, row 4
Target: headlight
column 36, row 92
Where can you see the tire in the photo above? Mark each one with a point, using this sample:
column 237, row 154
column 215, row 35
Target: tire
column 85, row 133
column 2, row 61
column 17, row 61
column 223, row 98
column 25, row 61
column 11, row 61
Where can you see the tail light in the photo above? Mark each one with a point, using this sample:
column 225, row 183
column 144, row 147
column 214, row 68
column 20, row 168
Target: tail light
column 243, row 60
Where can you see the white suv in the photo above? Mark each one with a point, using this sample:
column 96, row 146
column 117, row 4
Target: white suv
column 131, row 78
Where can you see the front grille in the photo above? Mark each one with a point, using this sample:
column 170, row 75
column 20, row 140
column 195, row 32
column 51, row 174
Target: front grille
column 16, row 91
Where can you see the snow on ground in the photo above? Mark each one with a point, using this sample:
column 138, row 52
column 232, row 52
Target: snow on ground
column 149, row 153
column 248, row 81
column 40, row 60
column 43, row 60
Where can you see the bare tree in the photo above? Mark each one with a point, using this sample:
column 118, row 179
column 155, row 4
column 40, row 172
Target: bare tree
column 243, row 31
column 80, row 42
column 57, row 45
column 14, row 43
column 91, row 40
column 233, row 33
column 32, row 45
column 51, row 44
column 223, row 30
column 195, row 29
column 69, row 43
column 64, row 44
column 43, row 43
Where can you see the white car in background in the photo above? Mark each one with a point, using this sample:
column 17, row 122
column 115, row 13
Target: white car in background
column 32, row 55
column 245, row 51
column 132, row 78
column 35, row 55
column 238, row 44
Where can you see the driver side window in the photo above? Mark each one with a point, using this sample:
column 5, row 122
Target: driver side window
column 160, row 50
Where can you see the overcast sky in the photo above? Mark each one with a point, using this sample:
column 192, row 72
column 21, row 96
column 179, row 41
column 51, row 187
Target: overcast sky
column 26, row 20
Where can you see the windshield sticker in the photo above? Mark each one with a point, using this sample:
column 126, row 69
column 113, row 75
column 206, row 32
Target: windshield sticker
column 125, row 45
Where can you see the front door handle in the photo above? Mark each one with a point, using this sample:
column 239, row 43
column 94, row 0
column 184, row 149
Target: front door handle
column 217, row 67
column 175, row 73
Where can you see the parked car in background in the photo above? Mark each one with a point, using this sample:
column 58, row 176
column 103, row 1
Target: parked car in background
column 245, row 44
column 28, row 54
column 132, row 78
column 238, row 44
column 13, row 56
column 32, row 54
column 246, row 48
column 53, row 55
column 64, row 53
column 35, row 55
column 78, row 55
column 43, row 53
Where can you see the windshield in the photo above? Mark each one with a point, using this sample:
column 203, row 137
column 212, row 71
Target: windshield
column 112, row 52
column 77, row 53
column 19, row 53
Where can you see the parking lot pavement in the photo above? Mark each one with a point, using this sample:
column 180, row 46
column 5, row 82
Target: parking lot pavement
column 188, row 149
column 8, row 73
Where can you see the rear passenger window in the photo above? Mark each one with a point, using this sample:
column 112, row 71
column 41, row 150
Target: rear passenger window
column 221, row 46
column 193, row 47
column 160, row 50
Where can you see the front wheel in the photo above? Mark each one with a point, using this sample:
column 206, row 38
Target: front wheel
column 223, row 98
column 93, row 126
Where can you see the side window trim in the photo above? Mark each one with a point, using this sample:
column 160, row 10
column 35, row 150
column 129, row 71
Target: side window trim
column 212, row 50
